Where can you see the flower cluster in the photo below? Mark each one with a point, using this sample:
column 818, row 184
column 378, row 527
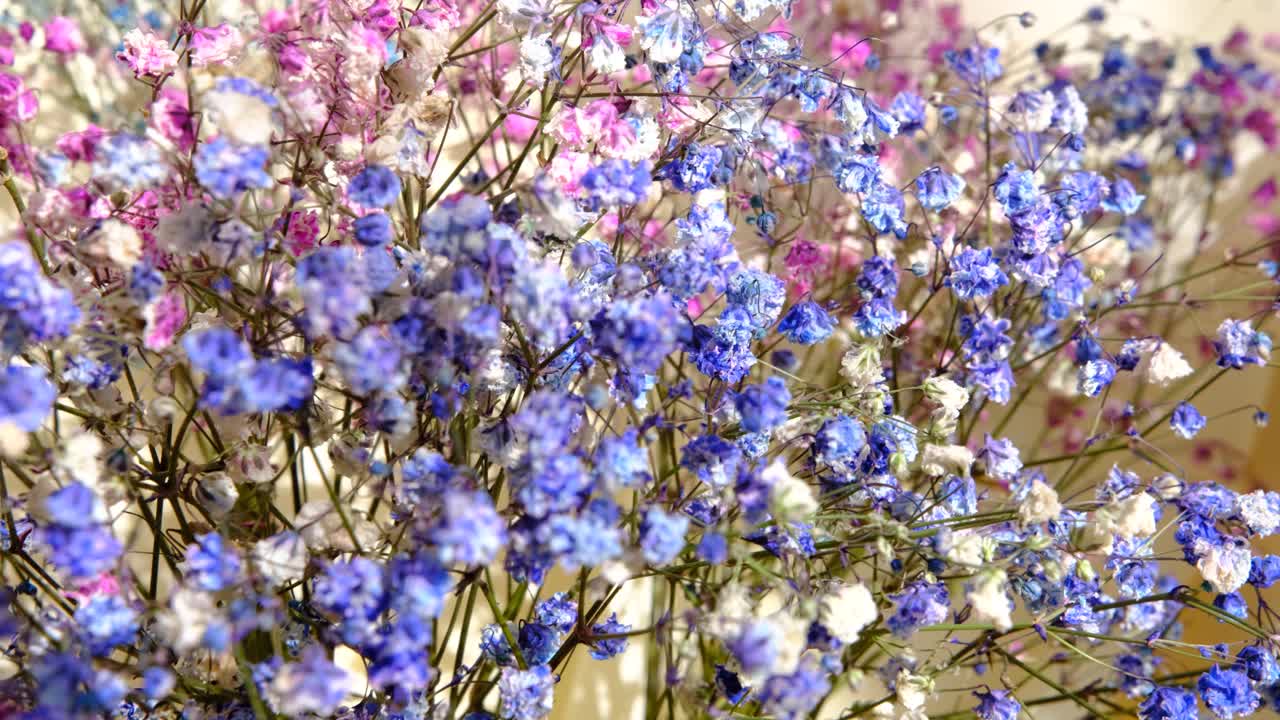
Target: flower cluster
column 383, row 359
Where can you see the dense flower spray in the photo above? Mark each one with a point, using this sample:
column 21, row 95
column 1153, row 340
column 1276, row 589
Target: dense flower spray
column 833, row 359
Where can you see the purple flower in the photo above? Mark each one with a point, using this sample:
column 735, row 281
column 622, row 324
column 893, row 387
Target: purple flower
column 225, row 169
column 526, row 694
column 763, row 407
column 605, row 648
column 26, row 396
column 1169, row 703
column 996, row 705
column 376, row 186
column 662, row 536
column 975, row 274
column 806, row 323
column 1186, row 421
column 1228, row 693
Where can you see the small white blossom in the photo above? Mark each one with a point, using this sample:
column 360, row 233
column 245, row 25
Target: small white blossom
column 281, row 558
column 943, row 459
column 990, row 600
column 964, row 547
column 1167, row 365
column 1260, row 510
column 949, row 394
column 789, row 497
column 847, row 611
column 1040, row 505
column 1225, row 567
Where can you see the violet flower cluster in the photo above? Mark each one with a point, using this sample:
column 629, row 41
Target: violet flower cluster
column 822, row 359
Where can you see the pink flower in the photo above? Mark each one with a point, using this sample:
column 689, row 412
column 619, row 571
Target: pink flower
column 567, row 169
column 79, row 146
column 165, row 318
column 170, row 115
column 147, row 54
column 850, row 51
column 17, row 103
column 519, row 127
column 62, row 36
column 1265, row 193
column 217, row 45
column 304, row 229
column 1263, row 125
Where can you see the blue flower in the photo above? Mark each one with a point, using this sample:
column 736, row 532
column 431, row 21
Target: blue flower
column 128, row 162
column 724, row 351
column 1264, row 571
column 839, row 444
column 1259, row 664
column 762, row 295
column 662, row 536
column 217, row 352
column 713, row 548
column 763, row 407
column 373, row 230
column 937, row 189
column 107, row 621
column 996, row 705
column 32, row 309
column 878, row 277
column 638, row 333
column 1238, row 344
column 370, row 362
column 1227, row 693
column 1186, row 421
column 919, row 604
column 696, row 169
column 355, row 592
column 225, row 169
column 558, row 611
column 210, row 564
column 468, row 530
column 883, row 208
column 975, row 274
column 976, row 66
column 376, row 186
column 538, row 643
column 1123, row 199
column 1169, row 703
column 806, row 323
column 605, row 648
column 26, row 396
column 794, row 696
column 1016, row 190
column 1094, row 376
column 620, row 462
column 615, row 183
column 878, row 317
column 525, row 694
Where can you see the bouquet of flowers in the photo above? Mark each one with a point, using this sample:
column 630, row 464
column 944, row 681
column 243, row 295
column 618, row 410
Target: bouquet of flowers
column 818, row 358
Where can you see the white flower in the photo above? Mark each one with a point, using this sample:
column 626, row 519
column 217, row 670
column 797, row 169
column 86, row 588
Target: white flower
column 1225, row 567
column 281, row 558
column 963, row 547
column 115, row 242
column 861, row 366
column 1135, row 516
column 243, row 118
column 78, row 457
column 1167, row 365
column 943, row 459
column 990, row 601
column 1260, row 510
column 187, row 619
column 913, row 690
column 1167, row 486
column 606, row 56
column 845, row 612
column 537, row 59
column 947, row 393
column 1040, row 505
column 790, row 498
column 217, row 492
